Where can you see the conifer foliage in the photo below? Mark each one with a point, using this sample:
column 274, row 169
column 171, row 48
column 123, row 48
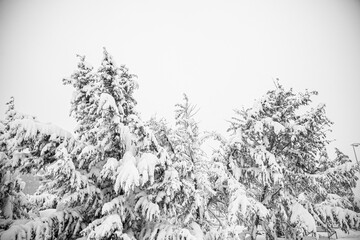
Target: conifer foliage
column 278, row 156
column 27, row 146
column 117, row 177
column 184, row 142
column 112, row 179
column 12, row 200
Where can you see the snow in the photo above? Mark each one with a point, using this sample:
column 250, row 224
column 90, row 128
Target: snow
column 9, row 235
column 127, row 174
column 299, row 128
column 258, row 127
column 42, row 226
column 237, row 138
column 112, row 223
column 113, row 206
column 185, row 234
column 257, row 107
column 3, row 157
column 146, row 167
column 238, row 199
column 109, row 169
column 127, row 137
column 271, row 158
column 46, row 148
column 7, row 209
column 149, row 209
column 278, row 127
column 31, row 128
column 160, row 196
column 154, row 205
column 341, row 168
column 44, row 199
column 237, row 172
column 353, row 235
column 336, row 200
column 356, row 191
column 108, row 102
column 300, row 214
column 87, row 150
column 47, row 212
column 196, row 231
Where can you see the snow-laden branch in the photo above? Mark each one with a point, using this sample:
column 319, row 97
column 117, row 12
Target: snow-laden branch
column 30, row 129
column 59, row 225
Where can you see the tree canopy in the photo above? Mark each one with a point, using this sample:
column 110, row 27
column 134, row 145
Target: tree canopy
column 119, row 177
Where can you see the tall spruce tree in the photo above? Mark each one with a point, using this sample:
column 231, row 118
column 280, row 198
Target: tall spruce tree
column 278, row 154
column 112, row 180
column 184, row 144
column 119, row 178
column 116, row 161
column 13, row 203
column 27, row 146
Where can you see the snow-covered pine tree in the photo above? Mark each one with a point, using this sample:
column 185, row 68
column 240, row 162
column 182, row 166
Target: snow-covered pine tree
column 191, row 203
column 117, row 165
column 13, row 203
column 231, row 205
column 114, row 181
column 26, row 147
column 278, row 152
column 141, row 194
column 194, row 166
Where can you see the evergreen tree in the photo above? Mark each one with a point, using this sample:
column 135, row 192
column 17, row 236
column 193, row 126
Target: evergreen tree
column 26, row 147
column 120, row 178
column 114, row 181
column 116, row 160
column 13, row 202
column 278, row 156
column 184, row 145
column 192, row 164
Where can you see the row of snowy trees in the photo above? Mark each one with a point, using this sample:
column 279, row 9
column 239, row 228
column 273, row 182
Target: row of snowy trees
column 117, row 177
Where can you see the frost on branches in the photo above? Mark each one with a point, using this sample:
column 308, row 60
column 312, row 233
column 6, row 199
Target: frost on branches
column 117, row 177
column 13, row 202
column 28, row 146
column 111, row 180
column 190, row 211
column 277, row 156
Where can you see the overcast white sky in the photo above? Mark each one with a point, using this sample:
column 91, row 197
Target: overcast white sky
column 223, row 54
